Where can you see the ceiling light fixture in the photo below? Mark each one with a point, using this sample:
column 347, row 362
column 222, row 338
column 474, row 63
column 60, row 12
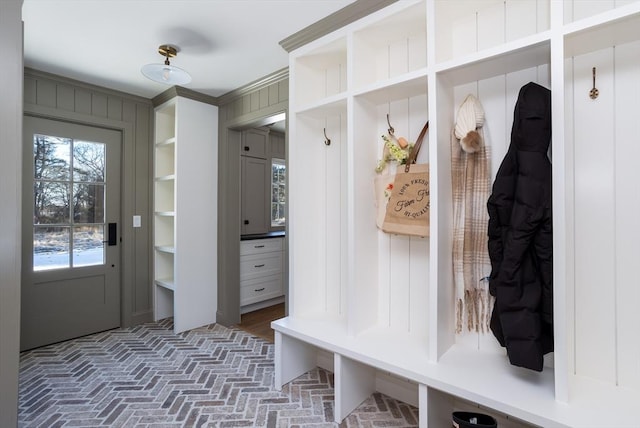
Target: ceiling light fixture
column 166, row 73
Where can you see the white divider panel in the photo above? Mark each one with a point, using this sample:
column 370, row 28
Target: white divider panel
column 293, row 358
column 354, row 383
column 627, row 130
column 363, row 282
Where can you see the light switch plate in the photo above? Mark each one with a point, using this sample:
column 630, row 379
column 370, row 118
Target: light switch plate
column 137, row 221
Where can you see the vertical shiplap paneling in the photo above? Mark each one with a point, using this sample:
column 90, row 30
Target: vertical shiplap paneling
column 569, row 206
column 418, row 290
column 45, row 93
column 399, row 254
column 497, row 120
column 585, row 8
column 465, row 338
column 464, row 33
column 273, row 94
column 399, row 269
column 627, row 192
column 397, row 61
column 283, row 90
column 543, row 15
column 491, row 93
column 334, row 158
column 82, row 101
column 246, row 104
column 29, row 90
column 384, row 239
column 419, row 286
column 128, row 203
column 595, row 218
column 65, row 97
column 114, row 108
column 516, row 27
column 491, row 24
column 98, row 105
column 254, row 99
column 264, row 98
column 235, row 109
column 144, row 164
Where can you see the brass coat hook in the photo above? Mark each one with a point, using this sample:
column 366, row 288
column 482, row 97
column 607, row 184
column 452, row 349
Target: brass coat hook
column 327, row 140
column 593, row 93
column 391, row 130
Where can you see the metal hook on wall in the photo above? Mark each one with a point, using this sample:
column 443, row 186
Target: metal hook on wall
column 327, row 140
column 593, row 93
column 391, row 130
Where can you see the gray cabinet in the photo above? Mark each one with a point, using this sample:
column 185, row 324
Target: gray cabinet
column 254, row 143
column 255, row 196
column 276, row 141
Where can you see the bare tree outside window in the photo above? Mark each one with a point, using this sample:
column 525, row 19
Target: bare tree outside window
column 69, row 202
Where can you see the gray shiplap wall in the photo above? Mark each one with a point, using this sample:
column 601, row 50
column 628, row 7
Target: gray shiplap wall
column 246, row 107
column 55, row 97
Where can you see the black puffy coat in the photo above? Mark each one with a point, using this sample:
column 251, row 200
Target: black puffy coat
column 520, row 235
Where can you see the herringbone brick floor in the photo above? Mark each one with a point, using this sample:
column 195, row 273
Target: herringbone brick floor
column 213, row 376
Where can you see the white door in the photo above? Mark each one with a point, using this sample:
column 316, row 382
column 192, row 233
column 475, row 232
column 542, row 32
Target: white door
column 70, row 232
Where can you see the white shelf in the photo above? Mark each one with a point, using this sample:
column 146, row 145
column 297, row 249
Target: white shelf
column 326, row 106
column 397, row 88
column 165, row 213
column 167, row 283
column 167, row 142
column 503, row 59
column 166, row 249
column 169, row 177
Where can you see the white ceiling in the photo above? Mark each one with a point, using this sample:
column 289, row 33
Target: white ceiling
column 223, row 44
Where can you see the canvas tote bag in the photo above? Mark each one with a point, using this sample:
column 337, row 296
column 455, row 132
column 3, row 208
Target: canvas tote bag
column 407, row 211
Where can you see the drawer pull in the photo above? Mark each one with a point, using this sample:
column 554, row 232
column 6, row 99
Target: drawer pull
column 259, row 266
column 258, row 246
column 259, row 289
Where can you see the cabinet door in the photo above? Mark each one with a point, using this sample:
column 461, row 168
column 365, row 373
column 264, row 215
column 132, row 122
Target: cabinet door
column 254, row 143
column 255, row 196
column 277, row 145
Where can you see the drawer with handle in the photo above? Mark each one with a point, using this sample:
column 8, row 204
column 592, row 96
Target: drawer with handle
column 257, row 246
column 255, row 265
column 259, row 289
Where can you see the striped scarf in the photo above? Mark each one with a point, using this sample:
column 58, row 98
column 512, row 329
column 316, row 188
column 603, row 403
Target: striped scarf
column 471, row 187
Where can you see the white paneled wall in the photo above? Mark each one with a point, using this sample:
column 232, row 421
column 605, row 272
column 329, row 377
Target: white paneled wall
column 606, row 203
column 469, row 26
column 403, row 262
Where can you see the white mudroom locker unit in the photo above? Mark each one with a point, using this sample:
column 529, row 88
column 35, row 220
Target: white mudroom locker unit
column 378, row 310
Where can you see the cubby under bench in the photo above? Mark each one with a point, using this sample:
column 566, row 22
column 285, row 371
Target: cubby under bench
column 398, row 365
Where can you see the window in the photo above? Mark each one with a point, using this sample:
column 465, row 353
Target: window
column 68, row 205
column 278, row 192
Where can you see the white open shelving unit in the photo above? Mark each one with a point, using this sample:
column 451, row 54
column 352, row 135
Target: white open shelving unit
column 185, row 213
column 378, row 310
